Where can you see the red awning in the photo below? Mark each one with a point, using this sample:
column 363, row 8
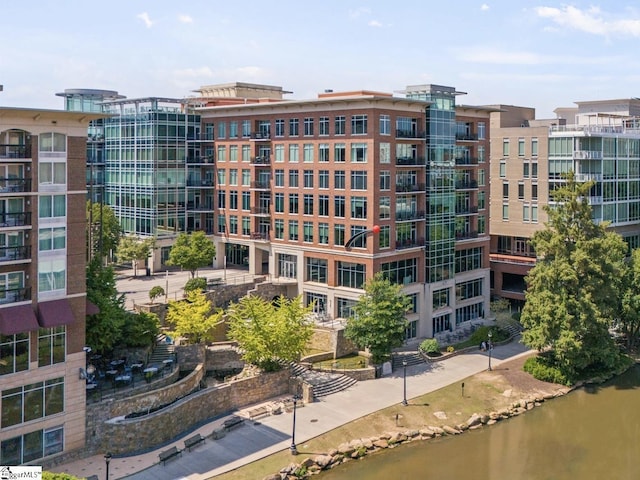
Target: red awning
column 18, row 319
column 92, row 308
column 55, row 313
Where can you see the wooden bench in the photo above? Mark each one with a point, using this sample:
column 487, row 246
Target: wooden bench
column 193, row 441
column 233, row 422
column 214, row 282
column 168, row 454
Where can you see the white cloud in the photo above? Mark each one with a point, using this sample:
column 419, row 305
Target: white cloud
column 484, row 7
column 358, row 12
column 591, row 20
column 374, row 23
column 185, row 18
column 144, row 16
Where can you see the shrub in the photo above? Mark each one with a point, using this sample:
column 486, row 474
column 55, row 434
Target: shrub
column 450, row 349
column 199, row 283
column 539, row 368
column 430, row 346
column 155, row 293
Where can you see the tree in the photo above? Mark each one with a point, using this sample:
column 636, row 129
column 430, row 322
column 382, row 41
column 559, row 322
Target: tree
column 140, row 329
column 199, row 283
column 193, row 319
column 573, row 290
column 270, row 332
column 629, row 315
column 379, row 320
column 192, row 251
column 101, row 219
column 155, row 293
column 131, row 249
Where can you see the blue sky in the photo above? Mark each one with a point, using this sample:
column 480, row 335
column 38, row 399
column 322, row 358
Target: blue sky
column 542, row 53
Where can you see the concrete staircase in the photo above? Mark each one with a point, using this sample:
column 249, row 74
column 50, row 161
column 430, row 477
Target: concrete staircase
column 411, row 357
column 324, row 383
column 162, row 351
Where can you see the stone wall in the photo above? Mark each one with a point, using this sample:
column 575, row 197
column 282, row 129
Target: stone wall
column 332, row 340
column 143, row 433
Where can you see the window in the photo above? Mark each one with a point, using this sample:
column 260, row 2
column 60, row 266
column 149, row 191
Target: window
column 233, row 153
column 534, row 213
column 525, row 213
column 505, row 211
column 246, row 226
column 222, row 224
column 307, row 204
column 503, row 169
column 51, row 345
column 307, row 232
column 361, row 241
column 246, row 153
column 339, row 153
column 401, row 271
column 534, row 147
column 469, row 312
column 345, row 307
column 481, row 177
column 246, row 177
column 52, row 142
column 481, row 131
column 307, row 153
column 278, row 178
column 338, row 234
column 308, row 126
column 233, row 224
column 32, row 401
column 233, row 177
column 385, row 125
column 323, row 126
column 233, row 199
column 358, row 153
column 505, row 147
column 52, row 173
column 323, row 153
column 279, row 127
column 340, row 125
column 293, row 178
column 308, row 178
column 385, row 152
column 385, row 180
column 52, row 239
column 323, row 233
column 294, row 153
column 222, row 154
column 481, row 154
column 385, row 208
column 246, row 201
column 482, row 225
column 293, row 203
column 222, row 174
column 358, row 180
column 32, row 446
column 323, row 179
column 481, row 200
column 233, row 129
column 521, row 147
column 525, row 170
column 384, row 237
column 469, row 259
column 359, row 207
column 323, row 205
column 222, row 130
column 339, row 180
column 359, row 125
column 278, row 226
column 440, row 298
column 279, row 153
column 14, row 351
column 339, row 203
column 520, row 191
column 316, row 270
column 278, row 200
column 351, row 275
column 246, row 128
column 293, row 230
column 294, row 127
column 534, row 169
column 534, row 191
column 52, row 206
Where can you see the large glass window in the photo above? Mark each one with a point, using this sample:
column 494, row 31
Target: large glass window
column 52, row 206
column 308, row 178
column 293, row 230
column 351, row 275
column 359, row 153
column 401, row 271
column 52, row 275
column 339, row 153
column 51, row 345
column 359, row 207
column 14, row 353
column 340, row 125
column 385, row 125
column 52, row 142
column 316, row 270
column 307, row 201
column 308, row 126
column 339, row 180
column 323, row 205
column 294, row 127
column 279, row 127
column 323, row 179
column 358, row 180
column 323, row 152
column 52, row 239
column 323, row 233
column 52, row 173
column 359, row 125
column 339, row 203
column 323, row 126
column 32, row 401
column 338, row 234
column 31, row 446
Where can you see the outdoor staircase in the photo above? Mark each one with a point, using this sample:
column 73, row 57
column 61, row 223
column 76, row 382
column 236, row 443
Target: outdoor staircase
column 513, row 329
column 162, row 351
column 411, row 357
column 323, row 383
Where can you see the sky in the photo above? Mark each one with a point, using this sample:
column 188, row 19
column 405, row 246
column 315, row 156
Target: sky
column 542, row 53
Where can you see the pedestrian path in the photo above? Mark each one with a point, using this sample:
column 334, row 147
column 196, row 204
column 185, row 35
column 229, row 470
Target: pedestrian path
column 271, row 434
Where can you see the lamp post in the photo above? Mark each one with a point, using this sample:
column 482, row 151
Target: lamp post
column 293, row 448
column 404, row 380
column 107, row 459
column 490, row 346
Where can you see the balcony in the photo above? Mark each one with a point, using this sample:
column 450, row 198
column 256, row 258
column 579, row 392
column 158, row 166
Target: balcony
column 410, row 161
column 466, row 210
column 588, row 177
column 587, row 155
column 11, row 254
column 199, row 183
column 409, row 216
column 410, row 187
column 260, row 236
column 260, row 211
column 199, row 207
column 512, row 259
column 411, row 134
column 263, row 160
column 468, row 235
column 467, row 136
column 466, row 184
column 203, row 137
column 14, row 295
column 15, row 151
column 17, row 219
column 409, row 243
column 258, row 185
column 260, row 136
column 10, row 185
column 467, row 161
column 202, row 160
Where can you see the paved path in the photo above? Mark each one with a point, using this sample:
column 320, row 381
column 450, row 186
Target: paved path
column 255, row 440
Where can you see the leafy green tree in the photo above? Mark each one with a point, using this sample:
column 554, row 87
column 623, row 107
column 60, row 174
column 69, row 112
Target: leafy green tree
column 131, row 249
column 101, row 219
column 629, row 315
column 192, row 251
column 155, row 293
column 379, row 320
column 140, row 329
column 573, row 290
column 193, row 318
column 198, row 283
column 270, row 332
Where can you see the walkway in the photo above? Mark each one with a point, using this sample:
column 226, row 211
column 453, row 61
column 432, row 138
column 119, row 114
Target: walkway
column 271, row 434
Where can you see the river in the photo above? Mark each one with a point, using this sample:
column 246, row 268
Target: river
column 591, row 433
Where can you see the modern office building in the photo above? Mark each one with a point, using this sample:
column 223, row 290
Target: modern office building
column 296, row 179
column 42, row 282
column 597, row 140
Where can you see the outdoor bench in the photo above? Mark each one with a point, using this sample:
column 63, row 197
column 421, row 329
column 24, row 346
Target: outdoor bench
column 191, row 442
column 233, row 422
column 168, row 454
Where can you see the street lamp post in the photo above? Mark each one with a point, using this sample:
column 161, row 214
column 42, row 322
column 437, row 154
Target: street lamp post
column 107, row 459
column 293, row 448
column 490, row 346
column 404, row 381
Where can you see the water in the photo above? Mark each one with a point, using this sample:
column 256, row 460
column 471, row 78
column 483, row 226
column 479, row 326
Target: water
column 592, row 433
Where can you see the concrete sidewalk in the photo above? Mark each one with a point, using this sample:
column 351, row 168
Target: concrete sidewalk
column 255, row 440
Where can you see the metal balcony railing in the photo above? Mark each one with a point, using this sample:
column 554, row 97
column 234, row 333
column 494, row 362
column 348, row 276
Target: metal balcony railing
column 261, row 160
column 261, row 185
column 409, row 161
column 409, row 243
column 15, row 151
column 13, row 295
column 260, row 210
column 410, row 134
column 260, row 136
column 467, row 161
column 410, row 187
column 15, row 185
column 466, row 136
column 9, row 254
column 411, row 215
column 17, row 219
